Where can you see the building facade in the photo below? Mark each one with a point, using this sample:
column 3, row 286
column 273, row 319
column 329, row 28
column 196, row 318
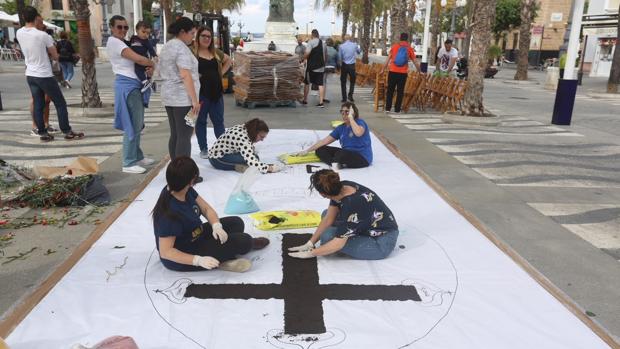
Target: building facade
column 60, row 12
column 600, row 42
column 547, row 30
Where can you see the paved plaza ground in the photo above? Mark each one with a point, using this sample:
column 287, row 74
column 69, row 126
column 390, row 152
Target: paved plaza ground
column 551, row 193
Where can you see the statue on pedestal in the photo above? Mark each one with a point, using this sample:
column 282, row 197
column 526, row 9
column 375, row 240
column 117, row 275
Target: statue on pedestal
column 281, row 11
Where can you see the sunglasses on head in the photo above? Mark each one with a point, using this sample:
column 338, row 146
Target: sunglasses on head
column 122, row 27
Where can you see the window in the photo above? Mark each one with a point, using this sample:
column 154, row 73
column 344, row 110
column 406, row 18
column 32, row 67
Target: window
column 56, row 4
column 612, row 5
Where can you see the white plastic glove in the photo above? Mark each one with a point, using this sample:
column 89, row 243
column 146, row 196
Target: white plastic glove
column 302, row 254
column 205, row 262
column 219, row 233
column 273, row 168
column 300, row 153
column 308, row 246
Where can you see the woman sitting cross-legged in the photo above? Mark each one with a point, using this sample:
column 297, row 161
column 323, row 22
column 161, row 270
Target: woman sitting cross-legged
column 357, row 222
column 354, row 137
column 234, row 150
column 184, row 242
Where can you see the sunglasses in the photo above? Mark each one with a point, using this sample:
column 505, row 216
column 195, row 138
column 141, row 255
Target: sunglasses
column 206, row 36
column 122, row 27
column 345, row 111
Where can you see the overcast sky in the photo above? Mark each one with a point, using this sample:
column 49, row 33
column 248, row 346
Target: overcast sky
column 255, row 12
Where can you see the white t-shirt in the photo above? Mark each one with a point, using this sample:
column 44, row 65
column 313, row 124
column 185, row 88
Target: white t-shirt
column 34, row 44
column 120, row 65
column 445, row 56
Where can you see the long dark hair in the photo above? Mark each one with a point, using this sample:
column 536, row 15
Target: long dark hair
column 185, row 24
column 326, row 182
column 180, row 172
column 254, row 127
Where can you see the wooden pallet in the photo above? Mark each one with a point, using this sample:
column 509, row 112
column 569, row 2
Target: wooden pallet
column 267, row 104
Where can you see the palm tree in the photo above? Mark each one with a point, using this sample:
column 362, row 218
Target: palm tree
column 435, row 29
column 527, row 9
column 384, row 32
column 614, row 74
column 90, row 92
column 482, row 21
column 366, row 27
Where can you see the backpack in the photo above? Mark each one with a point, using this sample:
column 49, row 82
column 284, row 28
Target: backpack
column 401, row 58
column 63, row 50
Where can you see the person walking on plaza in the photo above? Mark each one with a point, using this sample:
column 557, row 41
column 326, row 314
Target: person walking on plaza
column 128, row 103
column 398, row 61
column 315, row 68
column 180, row 86
column 347, row 52
column 447, row 57
column 66, row 54
column 38, row 47
column 212, row 64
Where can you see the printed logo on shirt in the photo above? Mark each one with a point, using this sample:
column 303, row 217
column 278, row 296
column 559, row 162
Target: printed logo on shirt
column 376, row 217
column 368, row 196
column 348, row 234
column 196, row 233
column 375, row 233
column 196, row 210
column 353, row 218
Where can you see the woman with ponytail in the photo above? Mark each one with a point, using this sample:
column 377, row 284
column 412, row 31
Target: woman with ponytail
column 234, row 150
column 184, row 242
column 357, row 222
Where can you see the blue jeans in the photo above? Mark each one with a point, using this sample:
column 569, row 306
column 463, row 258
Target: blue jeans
column 215, row 111
column 67, row 70
column 131, row 148
column 228, row 162
column 361, row 246
column 39, row 87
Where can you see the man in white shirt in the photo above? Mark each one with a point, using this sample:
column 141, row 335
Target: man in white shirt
column 37, row 47
column 447, row 58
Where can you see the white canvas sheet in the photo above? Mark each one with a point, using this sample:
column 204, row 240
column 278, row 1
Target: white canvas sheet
column 472, row 295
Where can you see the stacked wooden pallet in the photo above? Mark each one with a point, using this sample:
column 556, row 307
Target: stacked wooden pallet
column 266, row 77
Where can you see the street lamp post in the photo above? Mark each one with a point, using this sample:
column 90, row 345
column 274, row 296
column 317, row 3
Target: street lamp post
column 104, row 27
column 457, row 5
column 427, row 24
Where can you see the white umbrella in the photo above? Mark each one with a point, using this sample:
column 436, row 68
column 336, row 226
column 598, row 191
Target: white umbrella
column 6, row 19
column 49, row 25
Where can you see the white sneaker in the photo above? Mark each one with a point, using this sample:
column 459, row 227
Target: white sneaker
column 134, row 169
column 204, row 154
column 335, row 167
column 146, row 162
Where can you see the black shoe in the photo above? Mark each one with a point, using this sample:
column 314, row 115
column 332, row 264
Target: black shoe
column 325, row 100
column 343, row 100
column 320, row 105
column 351, row 99
column 198, row 180
column 46, row 137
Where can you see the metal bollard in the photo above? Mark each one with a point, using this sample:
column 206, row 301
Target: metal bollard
column 0, row 100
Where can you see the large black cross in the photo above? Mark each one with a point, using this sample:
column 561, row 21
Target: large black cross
column 300, row 289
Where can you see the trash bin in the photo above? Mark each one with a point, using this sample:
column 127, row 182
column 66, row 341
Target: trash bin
column 564, row 102
column 551, row 81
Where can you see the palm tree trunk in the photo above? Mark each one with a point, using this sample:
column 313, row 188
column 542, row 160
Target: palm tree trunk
column 524, row 39
column 353, row 29
column 482, row 21
column 402, row 20
column 435, row 30
column 90, row 91
column 384, row 33
column 614, row 74
column 346, row 10
column 467, row 39
column 394, row 19
column 367, row 30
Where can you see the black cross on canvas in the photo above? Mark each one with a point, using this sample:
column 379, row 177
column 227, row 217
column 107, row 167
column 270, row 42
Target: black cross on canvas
column 301, row 291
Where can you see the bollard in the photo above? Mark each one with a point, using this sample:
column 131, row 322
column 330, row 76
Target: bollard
column 564, row 102
column 0, row 100
column 424, row 67
column 551, row 79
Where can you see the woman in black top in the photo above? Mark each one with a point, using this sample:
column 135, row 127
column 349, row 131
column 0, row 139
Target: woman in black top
column 212, row 64
column 66, row 55
column 357, row 222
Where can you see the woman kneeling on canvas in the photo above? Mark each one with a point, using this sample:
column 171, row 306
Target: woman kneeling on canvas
column 184, row 242
column 234, row 150
column 357, row 222
column 354, row 138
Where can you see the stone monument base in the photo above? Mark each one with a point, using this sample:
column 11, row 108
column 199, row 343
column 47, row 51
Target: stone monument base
column 281, row 33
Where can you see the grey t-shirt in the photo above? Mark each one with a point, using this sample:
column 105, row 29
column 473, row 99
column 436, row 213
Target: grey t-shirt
column 314, row 42
column 176, row 55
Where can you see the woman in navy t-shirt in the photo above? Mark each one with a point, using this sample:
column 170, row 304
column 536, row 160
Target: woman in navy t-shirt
column 184, row 242
column 354, row 136
column 357, row 222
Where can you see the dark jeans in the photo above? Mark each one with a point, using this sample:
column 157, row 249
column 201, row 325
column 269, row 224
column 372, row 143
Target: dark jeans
column 238, row 243
column 228, row 162
column 395, row 80
column 215, row 111
column 346, row 158
column 347, row 70
column 179, row 143
column 39, row 87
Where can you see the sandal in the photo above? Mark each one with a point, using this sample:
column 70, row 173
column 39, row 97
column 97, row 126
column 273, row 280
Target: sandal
column 46, row 137
column 72, row 135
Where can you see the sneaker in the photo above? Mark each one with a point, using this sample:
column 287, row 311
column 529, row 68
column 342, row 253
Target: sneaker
column 351, row 99
column 238, row 265
column 320, row 105
column 67, row 84
column 189, row 119
column 204, row 154
column 146, row 85
column 134, row 169
column 325, row 100
column 241, row 168
column 146, row 162
column 259, row 243
column 73, row 135
column 34, row 132
column 46, row 137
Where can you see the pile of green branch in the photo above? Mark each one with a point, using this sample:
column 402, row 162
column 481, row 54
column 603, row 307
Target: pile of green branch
column 58, row 191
